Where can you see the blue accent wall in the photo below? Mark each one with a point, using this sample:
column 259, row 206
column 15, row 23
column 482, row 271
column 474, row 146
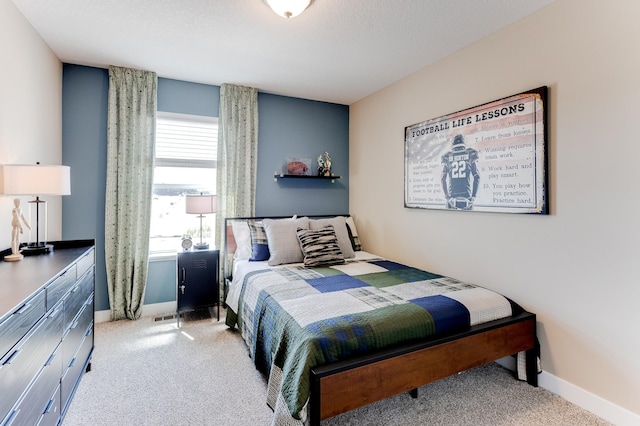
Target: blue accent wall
column 84, row 149
column 287, row 127
column 300, row 128
column 188, row 98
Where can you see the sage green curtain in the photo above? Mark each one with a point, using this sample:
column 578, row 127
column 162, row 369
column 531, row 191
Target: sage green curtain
column 237, row 154
column 130, row 157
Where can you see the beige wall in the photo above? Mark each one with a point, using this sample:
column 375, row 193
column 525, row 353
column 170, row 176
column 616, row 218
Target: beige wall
column 30, row 110
column 576, row 268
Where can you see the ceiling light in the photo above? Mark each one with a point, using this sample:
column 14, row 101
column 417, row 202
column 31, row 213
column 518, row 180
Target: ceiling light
column 288, row 8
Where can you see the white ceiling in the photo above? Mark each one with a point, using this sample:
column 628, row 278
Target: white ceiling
column 337, row 51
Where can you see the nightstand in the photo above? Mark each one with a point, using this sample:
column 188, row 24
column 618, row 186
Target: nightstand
column 198, row 284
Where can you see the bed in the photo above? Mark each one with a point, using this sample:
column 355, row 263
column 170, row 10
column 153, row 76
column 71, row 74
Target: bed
column 335, row 328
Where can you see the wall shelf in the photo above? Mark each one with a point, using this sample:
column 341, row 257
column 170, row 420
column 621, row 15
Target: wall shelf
column 277, row 176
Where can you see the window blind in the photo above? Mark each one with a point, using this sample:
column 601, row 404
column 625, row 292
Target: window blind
column 186, row 141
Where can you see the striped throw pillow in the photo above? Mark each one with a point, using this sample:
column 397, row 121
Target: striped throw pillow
column 320, row 247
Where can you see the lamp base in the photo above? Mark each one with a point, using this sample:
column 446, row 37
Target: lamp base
column 35, row 250
column 201, row 246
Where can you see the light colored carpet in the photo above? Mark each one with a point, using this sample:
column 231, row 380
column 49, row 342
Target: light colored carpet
column 153, row 373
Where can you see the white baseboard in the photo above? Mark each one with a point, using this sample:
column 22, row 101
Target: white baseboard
column 102, row 316
column 600, row 407
column 147, row 311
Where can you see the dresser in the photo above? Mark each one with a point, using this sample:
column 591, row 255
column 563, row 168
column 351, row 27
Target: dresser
column 46, row 331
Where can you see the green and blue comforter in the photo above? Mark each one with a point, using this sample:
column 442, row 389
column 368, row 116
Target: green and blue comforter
column 294, row 318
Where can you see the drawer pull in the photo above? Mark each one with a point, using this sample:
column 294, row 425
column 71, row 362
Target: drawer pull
column 50, row 360
column 12, row 417
column 54, row 313
column 24, row 308
column 47, row 409
column 12, row 357
column 73, row 362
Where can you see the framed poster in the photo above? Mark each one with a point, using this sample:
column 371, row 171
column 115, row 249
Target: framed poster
column 489, row 158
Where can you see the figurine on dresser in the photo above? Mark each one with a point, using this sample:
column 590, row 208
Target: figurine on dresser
column 17, row 218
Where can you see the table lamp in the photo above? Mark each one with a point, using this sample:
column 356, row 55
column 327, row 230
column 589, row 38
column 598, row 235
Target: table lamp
column 35, row 180
column 201, row 205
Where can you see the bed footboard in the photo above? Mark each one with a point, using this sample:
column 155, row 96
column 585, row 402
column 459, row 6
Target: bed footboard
column 344, row 386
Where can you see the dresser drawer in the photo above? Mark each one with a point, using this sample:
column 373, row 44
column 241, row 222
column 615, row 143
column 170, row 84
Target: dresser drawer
column 86, row 262
column 77, row 297
column 19, row 367
column 77, row 331
column 76, row 368
column 51, row 415
column 20, row 322
column 60, row 286
column 37, row 399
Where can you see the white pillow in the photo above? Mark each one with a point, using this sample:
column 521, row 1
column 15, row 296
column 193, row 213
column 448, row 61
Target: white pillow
column 284, row 246
column 243, row 240
column 340, row 227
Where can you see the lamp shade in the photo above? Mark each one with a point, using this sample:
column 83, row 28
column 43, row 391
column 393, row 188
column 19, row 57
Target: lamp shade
column 288, row 8
column 201, row 204
column 36, row 179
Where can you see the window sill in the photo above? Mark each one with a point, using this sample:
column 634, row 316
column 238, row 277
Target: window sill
column 162, row 256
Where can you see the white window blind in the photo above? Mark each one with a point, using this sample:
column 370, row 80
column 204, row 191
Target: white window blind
column 186, row 140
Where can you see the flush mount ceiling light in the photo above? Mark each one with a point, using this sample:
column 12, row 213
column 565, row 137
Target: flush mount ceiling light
column 288, row 8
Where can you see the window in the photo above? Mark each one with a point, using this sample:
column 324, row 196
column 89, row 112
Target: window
column 186, row 151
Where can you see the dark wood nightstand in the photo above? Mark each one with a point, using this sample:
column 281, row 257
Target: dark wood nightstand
column 198, row 285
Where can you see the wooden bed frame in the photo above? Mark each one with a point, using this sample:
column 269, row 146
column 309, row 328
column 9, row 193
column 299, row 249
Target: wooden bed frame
column 346, row 385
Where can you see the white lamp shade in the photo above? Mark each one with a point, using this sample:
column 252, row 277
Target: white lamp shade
column 288, row 8
column 201, row 204
column 36, row 180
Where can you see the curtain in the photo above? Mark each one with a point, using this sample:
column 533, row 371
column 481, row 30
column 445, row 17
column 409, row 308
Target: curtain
column 237, row 154
column 130, row 157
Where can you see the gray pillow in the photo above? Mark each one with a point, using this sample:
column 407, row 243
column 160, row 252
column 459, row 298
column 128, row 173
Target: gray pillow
column 340, row 226
column 284, row 246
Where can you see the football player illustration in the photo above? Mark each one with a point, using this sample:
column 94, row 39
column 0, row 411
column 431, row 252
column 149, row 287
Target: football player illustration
column 460, row 177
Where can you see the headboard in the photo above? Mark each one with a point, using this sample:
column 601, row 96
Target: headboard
column 230, row 245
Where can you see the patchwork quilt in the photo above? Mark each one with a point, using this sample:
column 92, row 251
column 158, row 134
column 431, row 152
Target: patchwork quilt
column 295, row 318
